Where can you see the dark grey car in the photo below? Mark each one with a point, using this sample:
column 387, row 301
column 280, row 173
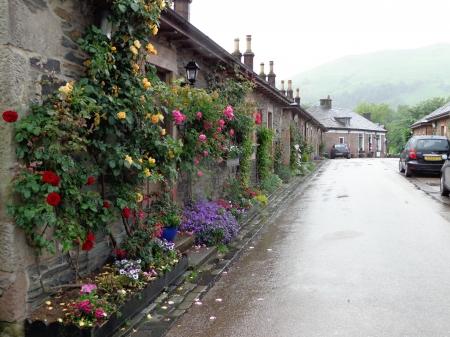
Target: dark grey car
column 424, row 154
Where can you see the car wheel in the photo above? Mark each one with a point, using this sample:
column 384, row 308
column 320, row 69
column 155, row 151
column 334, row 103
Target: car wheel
column 349, row 156
column 400, row 167
column 332, row 157
column 408, row 172
column 444, row 191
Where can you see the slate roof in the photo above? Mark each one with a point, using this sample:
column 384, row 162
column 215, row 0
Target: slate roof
column 436, row 114
column 331, row 118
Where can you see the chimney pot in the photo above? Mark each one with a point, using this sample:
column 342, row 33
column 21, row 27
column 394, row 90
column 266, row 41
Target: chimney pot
column 271, row 76
column 182, row 7
column 248, row 55
column 237, row 54
column 261, row 72
column 297, row 97
column 290, row 92
column 282, row 88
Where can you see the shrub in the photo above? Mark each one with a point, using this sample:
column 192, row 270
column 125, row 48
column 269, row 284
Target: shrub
column 271, row 183
column 285, row 173
column 212, row 224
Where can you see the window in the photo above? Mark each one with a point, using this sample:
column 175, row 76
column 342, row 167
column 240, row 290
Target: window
column 341, row 140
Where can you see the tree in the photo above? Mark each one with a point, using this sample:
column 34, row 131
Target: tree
column 382, row 113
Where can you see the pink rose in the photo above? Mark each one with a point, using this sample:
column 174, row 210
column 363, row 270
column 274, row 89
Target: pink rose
column 202, row 138
column 200, row 173
column 199, row 114
column 219, row 129
column 221, row 122
column 205, row 153
column 231, row 132
column 196, row 161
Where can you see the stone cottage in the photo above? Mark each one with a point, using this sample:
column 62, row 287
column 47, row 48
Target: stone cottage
column 39, row 53
column 364, row 137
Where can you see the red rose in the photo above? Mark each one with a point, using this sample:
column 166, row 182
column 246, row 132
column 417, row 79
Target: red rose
column 10, row 116
column 56, row 181
column 53, row 198
column 87, row 245
column 106, row 204
column 126, row 212
column 90, row 180
column 90, row 237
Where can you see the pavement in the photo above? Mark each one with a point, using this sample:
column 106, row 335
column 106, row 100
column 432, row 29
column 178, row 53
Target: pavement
column 206, row 265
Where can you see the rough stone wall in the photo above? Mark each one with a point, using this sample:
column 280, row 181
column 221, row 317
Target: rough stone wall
column 37, row 50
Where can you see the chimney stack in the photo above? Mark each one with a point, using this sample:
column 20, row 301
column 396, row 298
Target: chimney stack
column 290, row 92
column 297, row 97
column 282, row 88
column 182, row 7
column 237, row 54
column 248, row 55
column 261, row 72
column 367, row 115
column 271, row 76
column 326, row 102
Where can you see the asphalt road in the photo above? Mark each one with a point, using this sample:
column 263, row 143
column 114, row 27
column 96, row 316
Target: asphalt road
column 359, row 251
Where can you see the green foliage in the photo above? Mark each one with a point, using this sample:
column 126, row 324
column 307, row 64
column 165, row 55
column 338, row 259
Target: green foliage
column 270, row 183
column 285, row 173
column 305, row 158
column 264, row 155
column 381, row 113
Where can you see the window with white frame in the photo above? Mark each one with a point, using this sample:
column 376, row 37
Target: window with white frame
column 361, row 142
column 341, row 140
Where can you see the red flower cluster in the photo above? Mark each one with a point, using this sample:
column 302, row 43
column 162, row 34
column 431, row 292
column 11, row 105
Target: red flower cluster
column 88, row 243
column 106, row 204
column 119, row 252
column 50, row 178
column 10, row 116
column 90, row 181
column 250, row 193
column 126, row 212
column 53, row 199
column 258, row 119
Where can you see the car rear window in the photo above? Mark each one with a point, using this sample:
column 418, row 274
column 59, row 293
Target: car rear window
column 340, row 147
column 432, row 145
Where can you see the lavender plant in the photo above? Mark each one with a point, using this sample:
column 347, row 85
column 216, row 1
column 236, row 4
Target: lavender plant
column 211, row 223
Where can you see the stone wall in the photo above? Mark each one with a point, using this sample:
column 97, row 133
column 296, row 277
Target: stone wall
column 37, row 53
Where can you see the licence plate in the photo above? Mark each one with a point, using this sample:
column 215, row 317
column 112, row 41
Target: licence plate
column 433, row 158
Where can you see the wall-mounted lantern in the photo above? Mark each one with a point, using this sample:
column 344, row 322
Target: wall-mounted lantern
column 192, row 69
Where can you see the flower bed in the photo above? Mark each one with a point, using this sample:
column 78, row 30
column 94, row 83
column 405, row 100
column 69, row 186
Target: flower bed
column 128, row 310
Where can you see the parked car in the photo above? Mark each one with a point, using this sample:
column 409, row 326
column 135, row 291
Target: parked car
column 424, row 154
column 445, row 179
column 340, row 150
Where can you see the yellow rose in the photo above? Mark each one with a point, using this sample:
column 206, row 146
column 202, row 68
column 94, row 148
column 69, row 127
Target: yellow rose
column 171, row 155
column 121, row 115
column 150, row 47
column 140, row 160
column 147, row 85
column 113, row 48
column 154, row 30
column 151, row 160
column 162, row 4
column 87, row 63
column 147, row 172
column 160, row 116
column 163, row 132
column 129, row 159
column 148, row 116
column 155, row 119
column 103, row 83
column 143, row 97
column 137, row 44
column 134, row 50
column 104, row 117
column 139, row 197
column 136, row 66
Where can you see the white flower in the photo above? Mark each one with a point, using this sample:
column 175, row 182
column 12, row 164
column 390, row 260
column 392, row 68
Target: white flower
column 121, row 271
column 138, row 261
column 135, row 276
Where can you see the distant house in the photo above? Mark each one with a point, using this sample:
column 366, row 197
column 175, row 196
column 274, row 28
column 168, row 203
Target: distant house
column 433, row 124
column 348, row 127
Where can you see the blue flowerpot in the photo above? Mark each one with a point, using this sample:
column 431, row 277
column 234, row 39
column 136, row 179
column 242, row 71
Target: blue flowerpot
column 169, row 233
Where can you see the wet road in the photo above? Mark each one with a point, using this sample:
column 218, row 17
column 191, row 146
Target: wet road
column 360, row 251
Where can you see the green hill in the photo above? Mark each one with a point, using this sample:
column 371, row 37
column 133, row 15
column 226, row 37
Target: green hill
column 392, row 76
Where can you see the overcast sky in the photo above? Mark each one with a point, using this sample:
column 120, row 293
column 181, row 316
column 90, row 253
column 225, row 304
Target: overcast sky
column 299, row 35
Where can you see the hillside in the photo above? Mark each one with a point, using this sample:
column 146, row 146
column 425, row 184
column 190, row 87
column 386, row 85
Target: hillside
column 392, row 76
